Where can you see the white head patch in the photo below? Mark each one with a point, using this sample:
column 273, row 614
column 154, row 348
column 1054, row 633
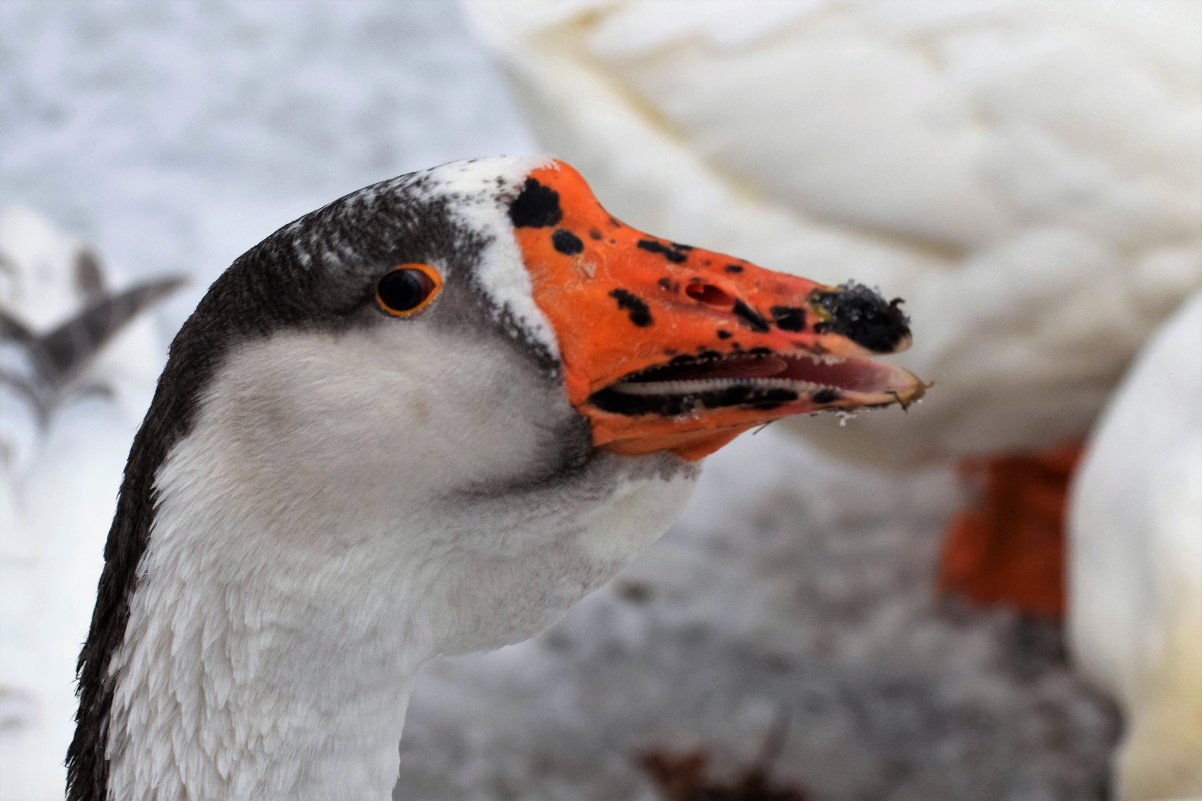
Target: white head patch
column 478, row 193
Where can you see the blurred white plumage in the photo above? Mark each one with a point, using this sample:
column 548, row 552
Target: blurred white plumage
column 1027, row 175
column 1136, row 584
column 77, row 372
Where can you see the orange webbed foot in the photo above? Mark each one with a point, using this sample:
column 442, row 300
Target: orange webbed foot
column 1009, row 550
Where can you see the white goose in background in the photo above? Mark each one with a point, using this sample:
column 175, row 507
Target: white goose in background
column 1027, row 175
column 424, row 419
column 1135, row 617
column 77, row 368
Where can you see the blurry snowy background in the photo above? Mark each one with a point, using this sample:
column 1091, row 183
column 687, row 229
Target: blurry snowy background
column 795, row 595
column 173, row 136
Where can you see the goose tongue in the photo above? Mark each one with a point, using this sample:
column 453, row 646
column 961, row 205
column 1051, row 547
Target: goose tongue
column 669, row 347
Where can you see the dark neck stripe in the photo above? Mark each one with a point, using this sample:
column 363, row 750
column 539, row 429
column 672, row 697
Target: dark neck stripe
column 234, row 310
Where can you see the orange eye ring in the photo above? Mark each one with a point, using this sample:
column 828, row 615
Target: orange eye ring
column 407, row 289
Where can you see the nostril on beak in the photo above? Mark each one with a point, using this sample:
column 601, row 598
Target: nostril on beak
column 710, row 295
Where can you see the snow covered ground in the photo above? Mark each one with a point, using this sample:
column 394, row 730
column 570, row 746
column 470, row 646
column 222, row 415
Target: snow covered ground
column 175, row 135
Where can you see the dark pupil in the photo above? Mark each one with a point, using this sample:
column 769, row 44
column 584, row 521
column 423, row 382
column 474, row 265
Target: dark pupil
column 402, row 290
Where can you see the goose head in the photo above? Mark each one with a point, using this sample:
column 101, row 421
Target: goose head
column 424, row 419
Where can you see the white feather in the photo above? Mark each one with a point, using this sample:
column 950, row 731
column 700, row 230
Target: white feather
column 1135, row 619
column 1027, row 175
column 327, row 528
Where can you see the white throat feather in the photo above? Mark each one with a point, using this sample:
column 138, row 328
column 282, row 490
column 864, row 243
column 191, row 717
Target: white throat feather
column 281, row 613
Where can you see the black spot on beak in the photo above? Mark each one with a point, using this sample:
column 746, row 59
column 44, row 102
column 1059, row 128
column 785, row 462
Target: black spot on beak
column 536, row 206
column 640, row 315
column 789, row 318
column 671, row 254
column 734, row 268
column 750, row 317
column 566, row 242
column 864, row 317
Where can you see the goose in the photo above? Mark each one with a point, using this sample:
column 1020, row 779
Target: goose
column 78, row 360
column 422, row 420
column 1135, row 620
column 1026, row 174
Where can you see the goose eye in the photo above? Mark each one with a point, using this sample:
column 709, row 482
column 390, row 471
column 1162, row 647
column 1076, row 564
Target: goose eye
column 407, row 289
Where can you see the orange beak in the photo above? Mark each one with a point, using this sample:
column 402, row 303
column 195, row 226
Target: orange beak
column 669, row 347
